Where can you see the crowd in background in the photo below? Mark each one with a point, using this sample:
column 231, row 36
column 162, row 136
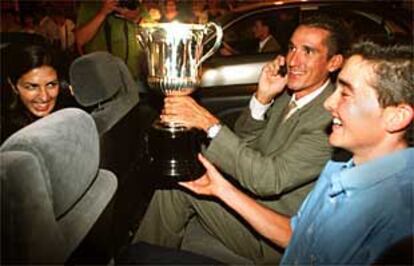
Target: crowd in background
column 35, row 79
column 62, row 23
column 72, row 28
column 57, row 20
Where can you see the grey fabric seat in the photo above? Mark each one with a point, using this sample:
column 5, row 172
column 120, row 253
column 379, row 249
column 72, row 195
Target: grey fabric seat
column 52, row 190
column 103, row 85
column 102, row 82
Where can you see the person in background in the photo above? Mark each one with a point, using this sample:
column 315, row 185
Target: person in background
column 34, row 86
column 214, row 10
column 171, row 12
column 276, row 152
column 199, row 12
column 367, row 202
column 10, row 21
column 110, row 25
column 58, row 29
column 261, row 32
column 154, row 13
column 267, row 42
column 29, row 24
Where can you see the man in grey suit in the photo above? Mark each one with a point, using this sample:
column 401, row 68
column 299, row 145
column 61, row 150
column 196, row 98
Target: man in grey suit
column 267, row 42
column 275, row 154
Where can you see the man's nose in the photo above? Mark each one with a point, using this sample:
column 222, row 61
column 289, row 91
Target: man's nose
column 331, row 102
column 293, row 58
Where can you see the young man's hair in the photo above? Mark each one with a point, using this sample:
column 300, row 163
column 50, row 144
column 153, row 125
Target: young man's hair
column 394, row 74
column 339, row 35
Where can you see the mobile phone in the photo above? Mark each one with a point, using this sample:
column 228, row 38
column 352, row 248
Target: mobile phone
column 282, row 70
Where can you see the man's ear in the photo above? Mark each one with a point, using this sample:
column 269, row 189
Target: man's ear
column 335, row 62
column 398, row 118
column 12, row 86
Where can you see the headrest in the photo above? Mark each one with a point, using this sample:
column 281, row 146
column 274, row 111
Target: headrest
column 99, row 76
column 66, row 144
column 104, row 80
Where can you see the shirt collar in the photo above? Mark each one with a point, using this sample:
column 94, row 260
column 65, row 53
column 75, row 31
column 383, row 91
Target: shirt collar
column 262, row 43
column 367, row 174
column 308, row 98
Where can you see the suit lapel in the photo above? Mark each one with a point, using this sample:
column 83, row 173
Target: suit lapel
column 269, row 136
column 278, row 133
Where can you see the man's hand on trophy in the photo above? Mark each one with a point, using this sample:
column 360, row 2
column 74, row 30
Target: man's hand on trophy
column 186, row 111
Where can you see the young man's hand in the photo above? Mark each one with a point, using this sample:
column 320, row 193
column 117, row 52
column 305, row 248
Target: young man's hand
column 212, row 183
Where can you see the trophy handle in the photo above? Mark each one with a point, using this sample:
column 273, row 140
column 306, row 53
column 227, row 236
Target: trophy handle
column 141, row 40
column 219, row 37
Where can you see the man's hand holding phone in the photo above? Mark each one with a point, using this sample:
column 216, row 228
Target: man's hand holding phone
column 272, row 81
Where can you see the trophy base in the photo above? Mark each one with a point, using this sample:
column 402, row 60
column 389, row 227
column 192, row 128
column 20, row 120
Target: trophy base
column 173, row 150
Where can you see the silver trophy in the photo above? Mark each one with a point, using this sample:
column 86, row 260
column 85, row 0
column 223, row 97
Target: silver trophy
column 174, row 54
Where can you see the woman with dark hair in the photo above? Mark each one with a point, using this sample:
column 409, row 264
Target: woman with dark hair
column 33, row 86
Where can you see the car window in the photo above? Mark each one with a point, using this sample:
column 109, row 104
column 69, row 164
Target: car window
column 241, row 39
column 361, row 23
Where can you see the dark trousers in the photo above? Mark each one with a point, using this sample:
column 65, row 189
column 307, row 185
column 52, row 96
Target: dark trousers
column 146, row 254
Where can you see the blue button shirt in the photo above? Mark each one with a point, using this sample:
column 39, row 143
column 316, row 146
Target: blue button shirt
column 355, row 212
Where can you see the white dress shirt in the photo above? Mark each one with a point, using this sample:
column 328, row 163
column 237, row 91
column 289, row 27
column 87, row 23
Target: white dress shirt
column 258, row 109
column 263, row 43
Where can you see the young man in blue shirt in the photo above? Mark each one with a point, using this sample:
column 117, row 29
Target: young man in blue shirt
column 360, row 208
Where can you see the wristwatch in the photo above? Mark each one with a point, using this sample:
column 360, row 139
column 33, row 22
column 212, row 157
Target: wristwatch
column 213, row 130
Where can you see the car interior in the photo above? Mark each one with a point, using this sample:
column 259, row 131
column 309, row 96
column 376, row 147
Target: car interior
column 75, row 184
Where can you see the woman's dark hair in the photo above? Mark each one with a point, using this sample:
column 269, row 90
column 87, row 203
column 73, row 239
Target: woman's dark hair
column 20, row 59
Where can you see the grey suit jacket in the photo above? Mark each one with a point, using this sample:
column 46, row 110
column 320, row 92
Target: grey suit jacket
column 278, row 162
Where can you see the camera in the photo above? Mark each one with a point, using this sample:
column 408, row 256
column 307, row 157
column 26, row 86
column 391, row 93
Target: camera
column 129, row 4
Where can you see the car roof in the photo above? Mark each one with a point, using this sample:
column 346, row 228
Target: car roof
column 260, row 4
column 388, row 9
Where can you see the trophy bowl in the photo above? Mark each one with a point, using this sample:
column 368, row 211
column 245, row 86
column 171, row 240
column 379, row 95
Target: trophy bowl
column 174, row 53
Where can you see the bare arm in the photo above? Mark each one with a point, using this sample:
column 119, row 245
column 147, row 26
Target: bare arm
column 86, row 32
column 267, row 222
